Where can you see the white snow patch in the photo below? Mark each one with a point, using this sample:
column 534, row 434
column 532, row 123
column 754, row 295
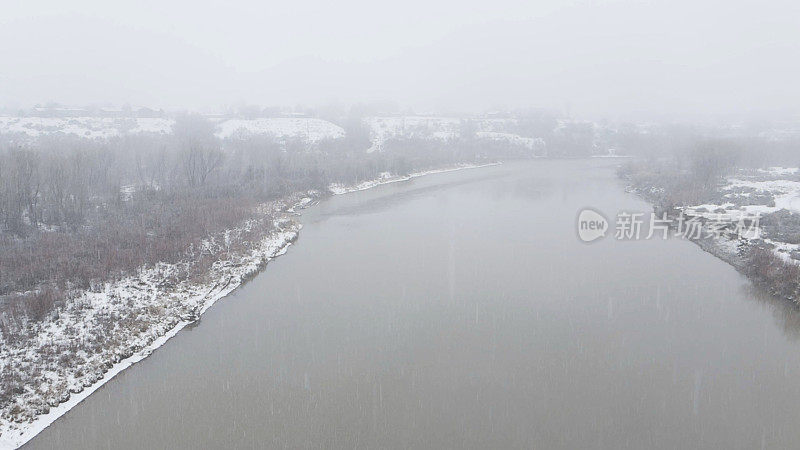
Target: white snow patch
column 783, row 250
column 309, row 129
column 440, row 128
column 785, row 192
column 611, row 153
column 778, row 171
column 87, row 127
column 385, row 128
column 386, row 178
column 530, row 143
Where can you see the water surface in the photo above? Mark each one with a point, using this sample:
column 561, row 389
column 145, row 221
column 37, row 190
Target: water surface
column 460, row 310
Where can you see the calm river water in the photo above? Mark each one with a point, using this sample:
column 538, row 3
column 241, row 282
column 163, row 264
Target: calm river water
column 461, row 310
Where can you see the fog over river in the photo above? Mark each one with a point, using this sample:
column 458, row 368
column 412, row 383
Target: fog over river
column 461, row 310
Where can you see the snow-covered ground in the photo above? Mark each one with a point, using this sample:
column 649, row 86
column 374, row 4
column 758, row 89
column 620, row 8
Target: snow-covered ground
column 309, row 129
column 610, row 153
column 100, row 332
column 778, row 171
column 86, row 127
column 530, row 143
column 786, row 193
column 756, row 193
column 385, row 128
column 779, row 184
column 386, row 178
column 443, row 128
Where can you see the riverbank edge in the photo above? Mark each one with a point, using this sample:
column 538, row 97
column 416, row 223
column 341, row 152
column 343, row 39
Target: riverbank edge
column 729, row 251
column 15, row 435
column 739, row 262
column 339, row 189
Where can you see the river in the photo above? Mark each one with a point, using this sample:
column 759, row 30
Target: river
column 460, row 310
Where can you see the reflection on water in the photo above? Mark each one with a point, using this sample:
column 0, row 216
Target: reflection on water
column 372, row 201
column 786, row 313
column 461, row 311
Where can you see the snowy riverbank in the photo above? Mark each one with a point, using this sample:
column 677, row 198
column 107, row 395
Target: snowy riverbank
column 386, row 178
column 750, row 220
column 99, row 333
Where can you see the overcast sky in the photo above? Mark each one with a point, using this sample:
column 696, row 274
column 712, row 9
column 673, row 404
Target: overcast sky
column 614, row 58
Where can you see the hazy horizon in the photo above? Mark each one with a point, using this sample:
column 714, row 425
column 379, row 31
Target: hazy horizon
column 618, row 59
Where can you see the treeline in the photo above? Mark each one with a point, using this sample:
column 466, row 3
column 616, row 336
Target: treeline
column 682, row 166
column 685, row 175
column 76, row 213
column 686, row 145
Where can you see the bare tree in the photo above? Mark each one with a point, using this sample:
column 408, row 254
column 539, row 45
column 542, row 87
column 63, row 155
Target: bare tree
column 198, row 163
